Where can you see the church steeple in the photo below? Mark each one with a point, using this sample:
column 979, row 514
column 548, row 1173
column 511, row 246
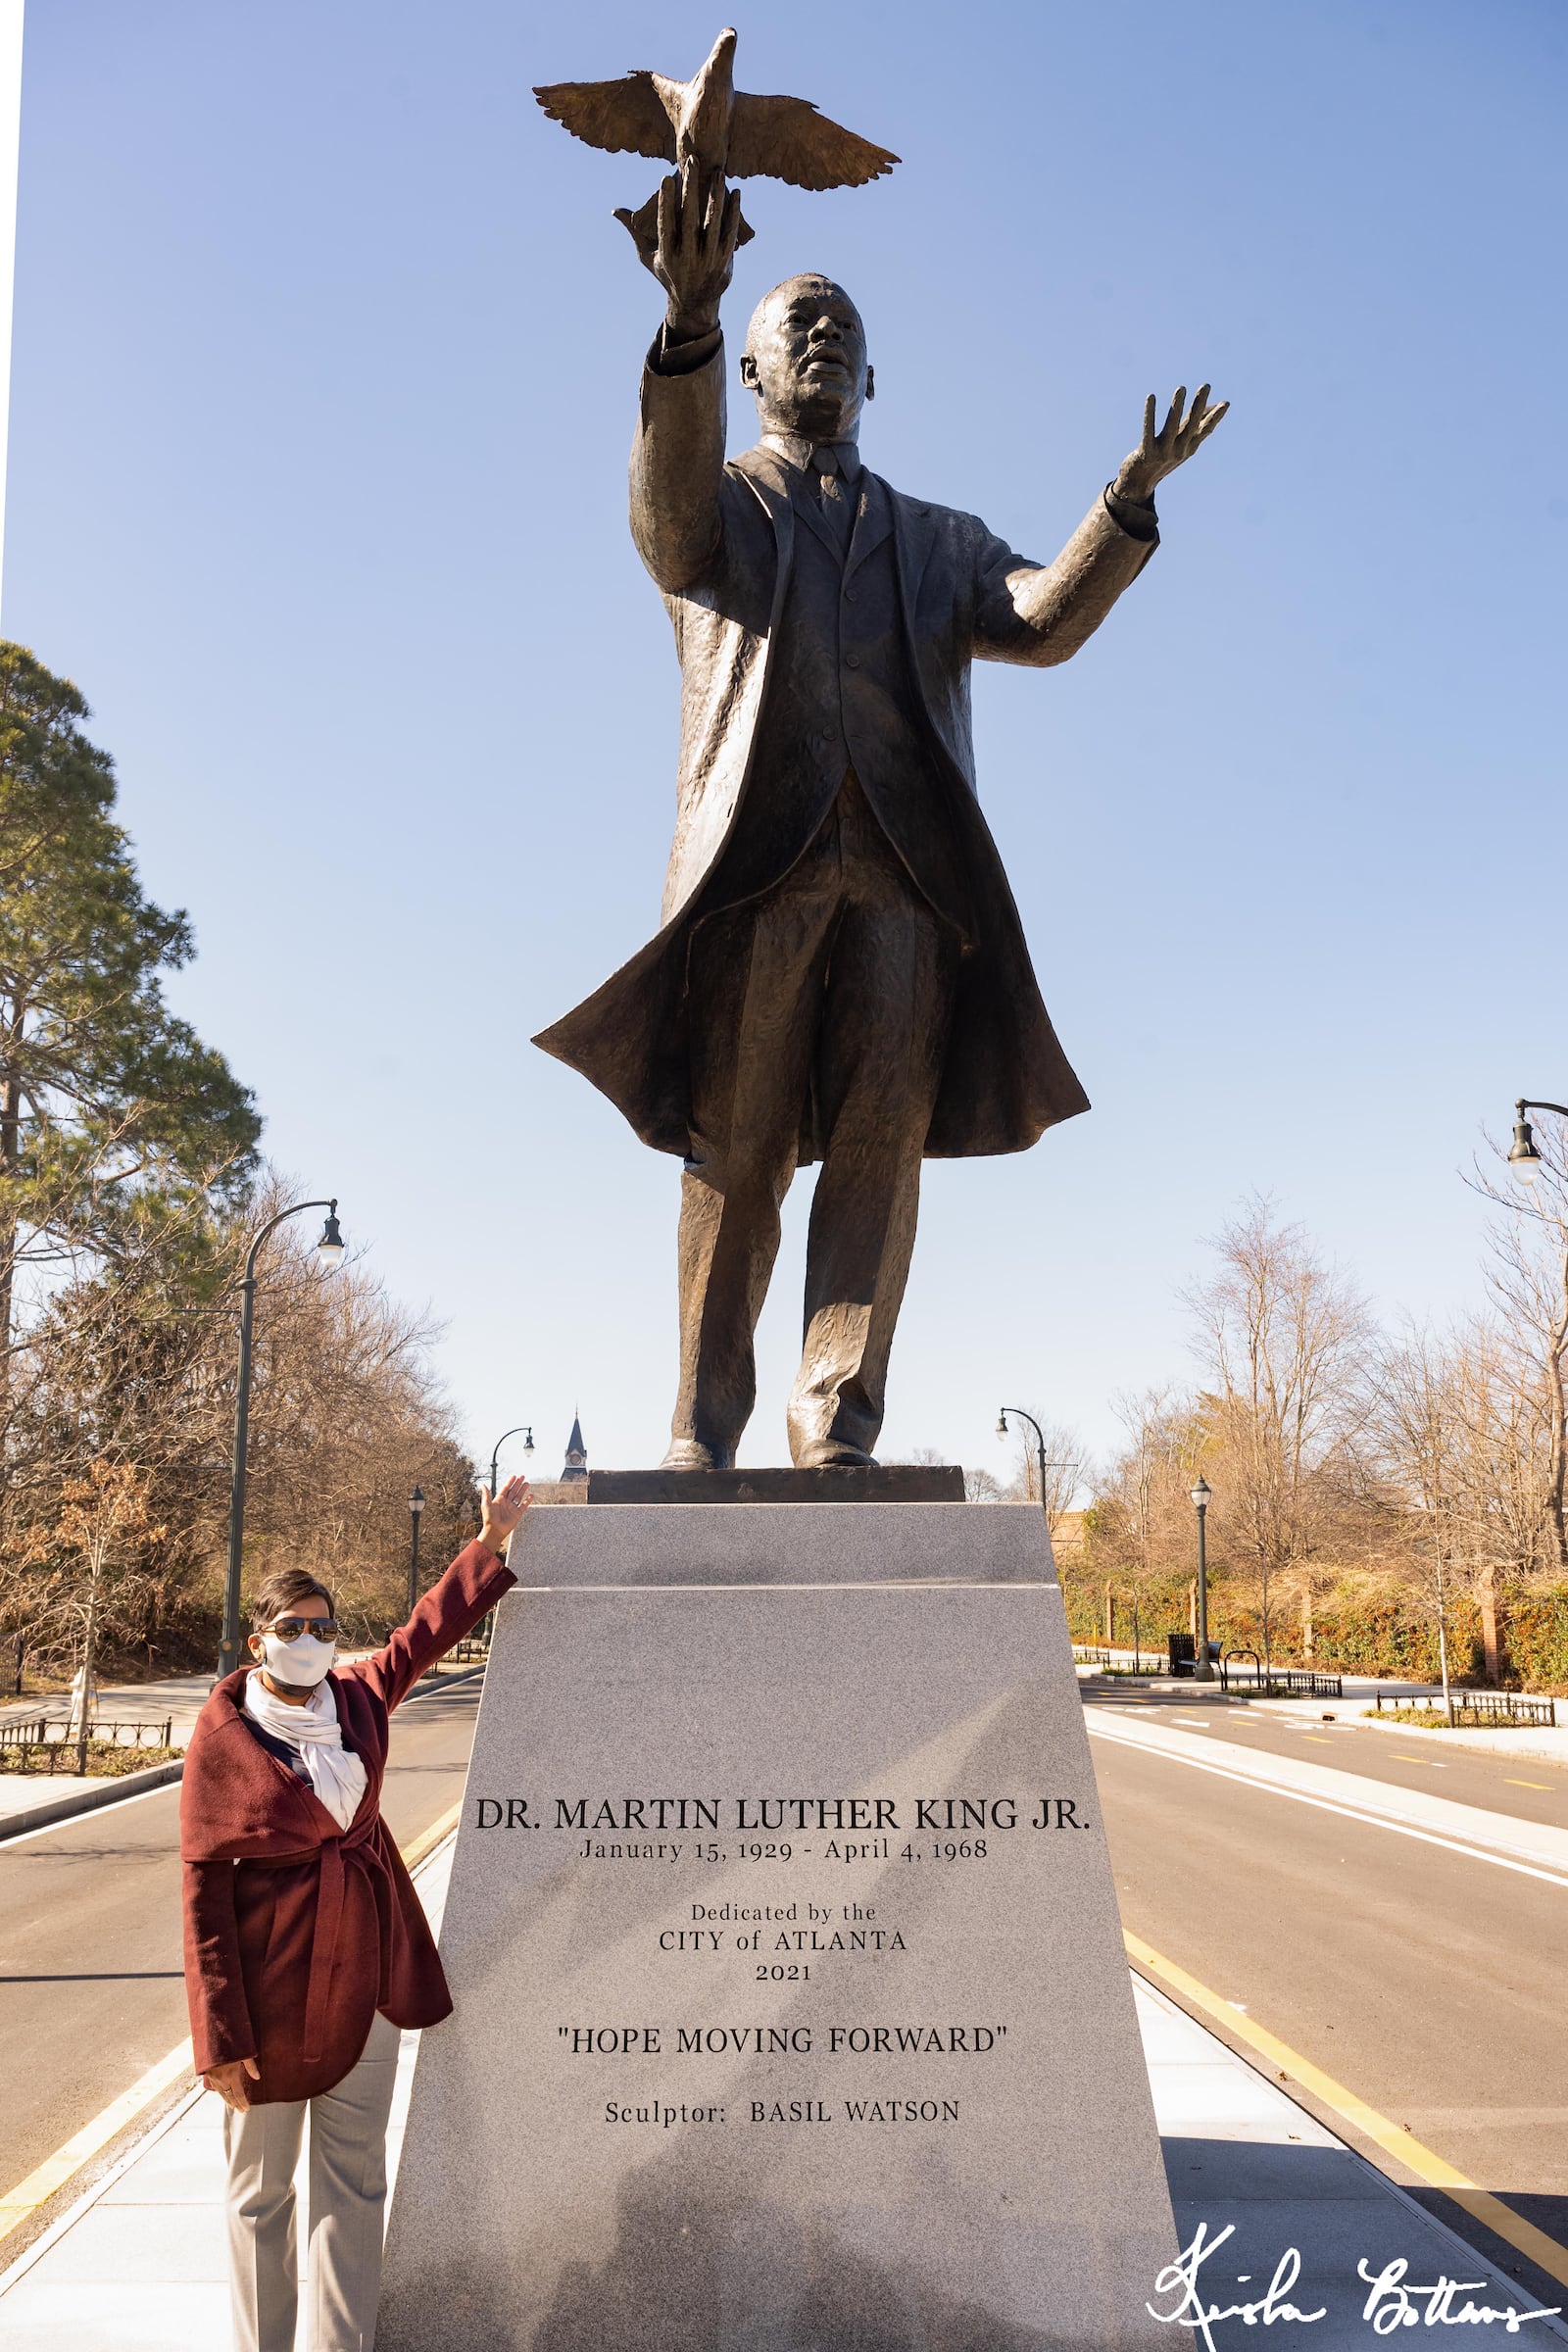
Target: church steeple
column 576, row 1464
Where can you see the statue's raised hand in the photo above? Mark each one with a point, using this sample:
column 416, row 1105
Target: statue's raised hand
column 1159, row 454
column 698, row 223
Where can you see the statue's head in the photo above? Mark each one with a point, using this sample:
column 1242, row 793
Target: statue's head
column 805, row 359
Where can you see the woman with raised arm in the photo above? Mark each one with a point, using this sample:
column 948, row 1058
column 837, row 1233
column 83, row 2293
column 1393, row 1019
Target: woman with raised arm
column 306, row 1944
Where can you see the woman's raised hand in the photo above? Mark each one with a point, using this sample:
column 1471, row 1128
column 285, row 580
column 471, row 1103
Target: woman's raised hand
column 500, row 1513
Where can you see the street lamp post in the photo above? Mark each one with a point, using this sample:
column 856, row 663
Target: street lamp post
column 1523, row 1158
column 1202, row 1666
column 1040, row 1449
column 415, row 1506
column 330, row 1249
column 526, row 1428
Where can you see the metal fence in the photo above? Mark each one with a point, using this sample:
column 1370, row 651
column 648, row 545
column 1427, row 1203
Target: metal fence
column 1480, row 1710
column 1285, row 1681
column 1129, row 1661
column 54, row 1745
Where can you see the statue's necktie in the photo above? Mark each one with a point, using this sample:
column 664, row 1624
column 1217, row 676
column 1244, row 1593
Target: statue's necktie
column 834, row 494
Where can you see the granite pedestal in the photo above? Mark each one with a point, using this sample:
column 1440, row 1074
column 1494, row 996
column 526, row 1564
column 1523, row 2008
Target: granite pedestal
column 791, row 2009
column 875, row 1482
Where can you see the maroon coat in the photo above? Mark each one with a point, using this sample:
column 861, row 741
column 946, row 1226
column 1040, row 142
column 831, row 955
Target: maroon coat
column 297, row 1931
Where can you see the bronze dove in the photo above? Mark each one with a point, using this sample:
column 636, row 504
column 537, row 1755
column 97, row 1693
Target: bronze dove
column 709, row 121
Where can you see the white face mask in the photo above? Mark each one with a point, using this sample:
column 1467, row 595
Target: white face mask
column 301, row 1663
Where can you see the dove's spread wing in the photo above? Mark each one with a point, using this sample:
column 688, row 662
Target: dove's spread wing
column 627, row 116
column 786, row 138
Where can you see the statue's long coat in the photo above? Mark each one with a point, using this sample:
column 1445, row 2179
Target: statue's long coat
column 719, row 539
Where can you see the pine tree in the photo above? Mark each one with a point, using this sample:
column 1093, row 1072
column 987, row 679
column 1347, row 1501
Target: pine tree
column 113, row 1113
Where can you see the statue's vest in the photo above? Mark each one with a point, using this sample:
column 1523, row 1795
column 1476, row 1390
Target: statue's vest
column 839, row 697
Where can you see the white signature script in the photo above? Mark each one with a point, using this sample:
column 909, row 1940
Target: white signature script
column 1391, row 2302
column 1180, row 2279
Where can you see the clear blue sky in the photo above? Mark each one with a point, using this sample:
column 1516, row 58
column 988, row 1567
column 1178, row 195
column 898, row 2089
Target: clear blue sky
column 325, row 366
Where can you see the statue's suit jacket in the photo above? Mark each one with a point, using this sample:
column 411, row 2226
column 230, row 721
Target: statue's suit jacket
column 719, row 541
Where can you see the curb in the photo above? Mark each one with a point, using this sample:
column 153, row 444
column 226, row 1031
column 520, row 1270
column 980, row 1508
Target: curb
column 425, row 1689
column 1524, row 1741
column 88, row 1800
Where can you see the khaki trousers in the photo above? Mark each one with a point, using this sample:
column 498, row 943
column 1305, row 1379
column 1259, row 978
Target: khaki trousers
column 348, row 2199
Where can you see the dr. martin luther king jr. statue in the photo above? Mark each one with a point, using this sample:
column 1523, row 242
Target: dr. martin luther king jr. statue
column 841, row 974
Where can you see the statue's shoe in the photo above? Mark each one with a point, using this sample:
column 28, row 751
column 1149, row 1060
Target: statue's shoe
column 688, row 1453
column 832, row 1453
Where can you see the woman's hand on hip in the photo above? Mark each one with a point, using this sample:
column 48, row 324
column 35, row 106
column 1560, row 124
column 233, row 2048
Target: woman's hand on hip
column 502, row 1512
column 233, row 2082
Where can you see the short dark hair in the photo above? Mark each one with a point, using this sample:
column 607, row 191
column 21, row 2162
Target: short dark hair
column 283, row 1590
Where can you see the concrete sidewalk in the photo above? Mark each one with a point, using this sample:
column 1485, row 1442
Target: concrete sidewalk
column 138, row 2263
column 181, row 1698
column 1547, row 1744
column 178, row 1700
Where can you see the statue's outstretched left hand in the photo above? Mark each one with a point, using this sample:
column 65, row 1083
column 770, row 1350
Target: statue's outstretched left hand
column 1159, row 454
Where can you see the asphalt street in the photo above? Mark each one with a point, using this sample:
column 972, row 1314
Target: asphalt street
column 1426, row 1980
column 92, row 1993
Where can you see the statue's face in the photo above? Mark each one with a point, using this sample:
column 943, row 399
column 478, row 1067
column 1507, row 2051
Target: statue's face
column 805, row 359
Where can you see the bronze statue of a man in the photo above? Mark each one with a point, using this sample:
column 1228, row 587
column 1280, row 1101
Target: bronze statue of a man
column 841, row 974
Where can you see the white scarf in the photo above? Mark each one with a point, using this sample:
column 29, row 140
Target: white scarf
column 337, row 1776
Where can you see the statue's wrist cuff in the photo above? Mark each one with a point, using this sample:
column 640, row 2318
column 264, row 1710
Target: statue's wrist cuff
column 683, row 359
column 1134, row 516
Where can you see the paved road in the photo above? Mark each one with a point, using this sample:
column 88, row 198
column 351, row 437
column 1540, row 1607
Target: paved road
column 1523, row 1787
column 1428, row 1981
column 90, row 1986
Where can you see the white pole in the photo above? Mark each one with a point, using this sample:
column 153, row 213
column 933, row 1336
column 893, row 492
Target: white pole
column 10, row 152
column 1442, row 1642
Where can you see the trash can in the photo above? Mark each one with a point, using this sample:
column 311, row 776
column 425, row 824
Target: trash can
column 1182, row 1650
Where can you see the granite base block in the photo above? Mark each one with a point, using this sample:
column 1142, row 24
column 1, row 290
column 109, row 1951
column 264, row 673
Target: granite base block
column 792, row 2010
column 783, row 1543
column 876, row 1482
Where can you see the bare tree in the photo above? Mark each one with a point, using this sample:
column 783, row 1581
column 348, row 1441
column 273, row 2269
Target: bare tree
column 1068, row 1465
column 1529, row 1282
column 137, row 1364
column 1151, row 1481
column 1420, row 1422
column 100, row 1521
column 1283, row 1339
column 1463, row 1427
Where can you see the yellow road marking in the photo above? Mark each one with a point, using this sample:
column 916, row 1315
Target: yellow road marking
column 1402, row 1755
column 428, row 1840
column 50, row 2177
column 1546, row 1785
column 1321, row 1738
column 1501, row 2219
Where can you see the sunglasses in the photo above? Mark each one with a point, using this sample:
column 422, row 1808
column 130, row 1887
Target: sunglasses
column 289, row 1628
